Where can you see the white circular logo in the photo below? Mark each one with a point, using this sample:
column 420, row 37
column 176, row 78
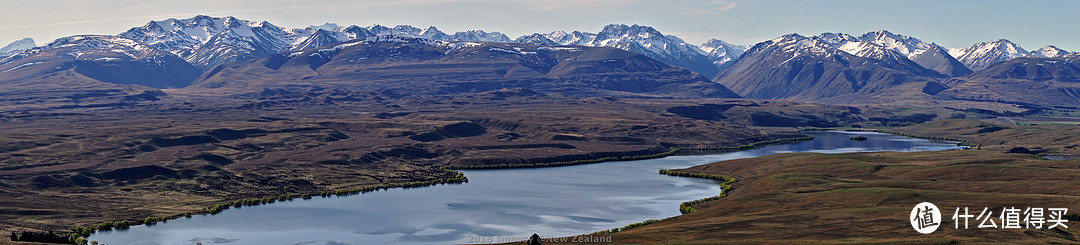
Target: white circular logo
column 925, row 218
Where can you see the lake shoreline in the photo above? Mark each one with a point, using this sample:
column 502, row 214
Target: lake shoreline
column 461, row 178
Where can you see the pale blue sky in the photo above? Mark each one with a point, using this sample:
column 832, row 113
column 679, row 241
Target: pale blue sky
column 952, row 23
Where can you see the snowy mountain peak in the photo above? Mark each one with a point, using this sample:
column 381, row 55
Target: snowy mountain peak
column 722, row 52
column 233, row 22
column 15, row 47
column 400, row 30
column 785, row 38
column 433, row 33
column 837, row 39
column 406, row 29
column 536, row 38
column 326, row 26
column 573, row 38
column 799, row 45
column 640, row 34
column 870, row 45
column 872, row 50
column 982, row 55
column 1049, row 51
column 642, row 37
column 186, row 34
column 266, row 24
column 906, row 45
column 480, row 36
column 622, row 29
column 653, row 44
column 1009, row 46
column 713, row 45
column 355, row 32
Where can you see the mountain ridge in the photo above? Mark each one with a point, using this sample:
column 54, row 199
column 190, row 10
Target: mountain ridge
column 814, row 68
column 398, row 63
column 225, row 39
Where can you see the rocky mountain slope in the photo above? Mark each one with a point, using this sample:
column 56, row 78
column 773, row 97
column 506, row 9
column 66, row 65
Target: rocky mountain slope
column 937, row 58
column 15, row 47
column 90, row 72
column 106, row 59
column 1049, row 51
column 813, row 69
column 654, row 44
column 206, row 41
column 722, row 53
column 1025, row 81
column 984, row 54
column 885, row 45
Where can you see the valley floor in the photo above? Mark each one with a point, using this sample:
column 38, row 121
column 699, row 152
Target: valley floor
column 64, row 169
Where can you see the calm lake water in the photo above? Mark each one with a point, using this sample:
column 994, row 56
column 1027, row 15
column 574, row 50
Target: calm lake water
column 559, row 201
column 1061, row 157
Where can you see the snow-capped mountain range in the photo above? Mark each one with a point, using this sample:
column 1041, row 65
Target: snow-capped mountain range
column 897, row 49
column 206, row 41
column 707, row 59
column 816, row 68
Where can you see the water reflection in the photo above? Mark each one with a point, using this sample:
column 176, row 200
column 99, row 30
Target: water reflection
column 1061, row 157
column 556, row 201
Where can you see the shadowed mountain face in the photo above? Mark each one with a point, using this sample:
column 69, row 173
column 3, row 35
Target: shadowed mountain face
column 938, row 59
column 1042, row 81
column 1065, row 69
column 89, row 71
column 106, row 59
column 423, row 66
column 812, row 69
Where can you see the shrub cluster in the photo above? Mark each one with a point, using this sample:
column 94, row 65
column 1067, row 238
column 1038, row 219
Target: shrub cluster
column 567, row 163
column 86, row 231
column 42, row 237
column 753, row 145
column 150, row 221
column 671, row 151
column 924, row 137
column 725, row 187
column 627, row 227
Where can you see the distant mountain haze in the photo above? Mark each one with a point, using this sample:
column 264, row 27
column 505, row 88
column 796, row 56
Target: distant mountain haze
column 15, row 47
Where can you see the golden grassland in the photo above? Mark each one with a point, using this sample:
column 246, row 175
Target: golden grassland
column 861, row 198
column 866, row 198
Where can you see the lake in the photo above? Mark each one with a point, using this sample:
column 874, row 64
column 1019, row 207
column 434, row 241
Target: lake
column 557, row 201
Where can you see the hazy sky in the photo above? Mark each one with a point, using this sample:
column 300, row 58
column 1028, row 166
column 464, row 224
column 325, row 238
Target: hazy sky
column 952, row 23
